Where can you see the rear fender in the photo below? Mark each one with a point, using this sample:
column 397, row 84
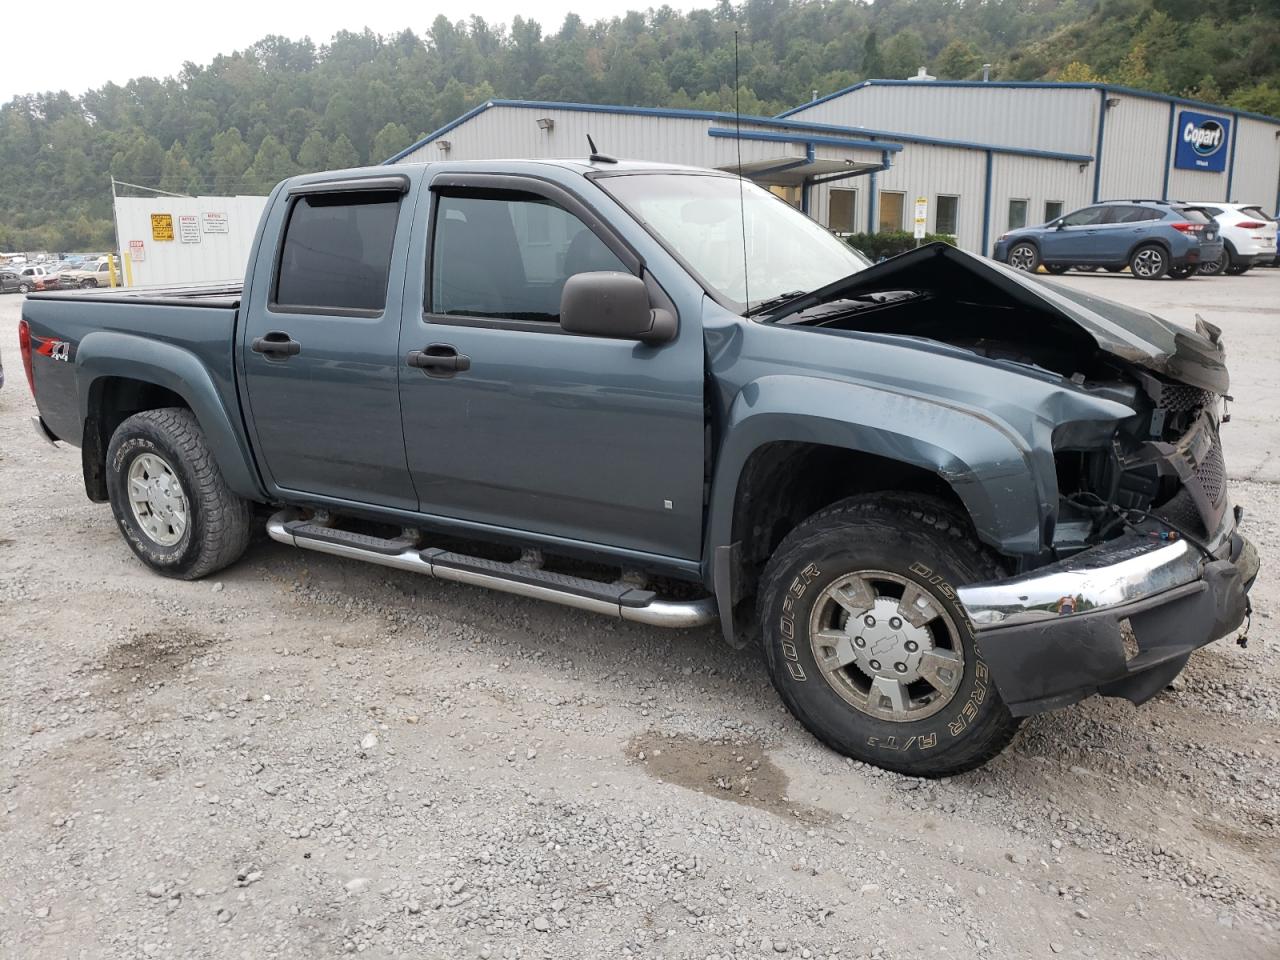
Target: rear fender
column 111, row 354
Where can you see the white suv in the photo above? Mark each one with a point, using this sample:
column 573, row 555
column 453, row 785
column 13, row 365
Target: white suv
column 1248, row 235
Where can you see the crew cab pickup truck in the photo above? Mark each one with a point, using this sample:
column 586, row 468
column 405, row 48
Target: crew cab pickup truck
column 940, row 494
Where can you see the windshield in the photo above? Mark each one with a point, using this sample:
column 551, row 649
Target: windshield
column 701, row 220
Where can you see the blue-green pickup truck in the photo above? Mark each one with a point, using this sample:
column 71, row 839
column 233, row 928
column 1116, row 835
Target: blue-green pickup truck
column 941, row 495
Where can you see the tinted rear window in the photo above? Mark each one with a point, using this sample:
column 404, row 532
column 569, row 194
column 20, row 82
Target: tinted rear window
column 1256, row 212
column 1192, row 214
column 337, row 252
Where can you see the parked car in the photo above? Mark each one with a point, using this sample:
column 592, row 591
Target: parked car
column 940, row 493
column 1248, row 236
column 11, row 282
column 1150, row 237
column 97, row 274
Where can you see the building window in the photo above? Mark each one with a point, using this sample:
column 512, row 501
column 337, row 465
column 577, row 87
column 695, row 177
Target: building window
column 1017, row 214
column 842, row 205
column 947, row 215
column 1052, row 210
column 892, row 206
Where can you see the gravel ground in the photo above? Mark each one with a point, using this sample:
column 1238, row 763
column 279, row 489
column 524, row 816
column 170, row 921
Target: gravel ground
column 307, row 757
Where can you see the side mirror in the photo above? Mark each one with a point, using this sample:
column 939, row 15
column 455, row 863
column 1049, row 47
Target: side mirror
column 1059, row 225
column 610, row 304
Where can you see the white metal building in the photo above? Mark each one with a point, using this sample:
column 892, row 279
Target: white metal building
column 988, row 156
column 186, row 239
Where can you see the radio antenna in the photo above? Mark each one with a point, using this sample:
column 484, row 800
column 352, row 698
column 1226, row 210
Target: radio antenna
column 742, row 206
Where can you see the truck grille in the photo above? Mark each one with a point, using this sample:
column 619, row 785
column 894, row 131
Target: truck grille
column 1179, row 397
column 1211, row 473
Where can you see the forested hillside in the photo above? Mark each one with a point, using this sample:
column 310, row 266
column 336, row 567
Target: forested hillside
column 250, row 118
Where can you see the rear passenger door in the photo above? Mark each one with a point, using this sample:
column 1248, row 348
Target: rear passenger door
column 513, row 423
column 320, row 347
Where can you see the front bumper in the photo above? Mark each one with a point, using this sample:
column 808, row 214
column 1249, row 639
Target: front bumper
column 1057, row 635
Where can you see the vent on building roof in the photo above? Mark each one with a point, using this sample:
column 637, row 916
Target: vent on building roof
column 922, row 75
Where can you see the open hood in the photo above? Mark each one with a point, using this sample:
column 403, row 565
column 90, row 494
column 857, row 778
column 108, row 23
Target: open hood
column 1194, row 357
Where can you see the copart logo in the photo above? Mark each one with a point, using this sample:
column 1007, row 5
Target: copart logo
column 53, row 349
column 1206, row 137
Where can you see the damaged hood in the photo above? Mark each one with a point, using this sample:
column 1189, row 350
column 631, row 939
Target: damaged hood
column 1194, row 357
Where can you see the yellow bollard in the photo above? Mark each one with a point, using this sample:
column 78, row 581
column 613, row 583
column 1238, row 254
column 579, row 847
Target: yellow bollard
column 127, row 264
column 111, row 270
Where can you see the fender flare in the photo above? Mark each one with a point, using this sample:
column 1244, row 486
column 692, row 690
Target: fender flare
column 973, row 452
column 104, row 354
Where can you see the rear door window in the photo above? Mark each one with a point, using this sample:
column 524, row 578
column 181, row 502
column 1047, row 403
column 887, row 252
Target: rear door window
column 336, row 255
column 1123, row 214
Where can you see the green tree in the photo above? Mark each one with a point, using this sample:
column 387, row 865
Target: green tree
column 313, row 155
column 342, row 154
column 390, row 140
column 957, row 61
column 271, row 164
column 229, row 161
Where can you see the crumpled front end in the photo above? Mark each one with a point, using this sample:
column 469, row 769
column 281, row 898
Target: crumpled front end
column 1153, row 564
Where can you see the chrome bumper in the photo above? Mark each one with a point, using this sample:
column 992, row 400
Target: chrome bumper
column 1117, row 573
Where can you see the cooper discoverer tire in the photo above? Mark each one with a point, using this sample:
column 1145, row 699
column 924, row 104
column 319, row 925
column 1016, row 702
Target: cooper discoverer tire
column 867, row 587
column 169, row 499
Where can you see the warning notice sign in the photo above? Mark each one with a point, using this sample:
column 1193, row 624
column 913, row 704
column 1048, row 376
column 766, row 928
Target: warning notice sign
column 162, row 226
column 189, row 228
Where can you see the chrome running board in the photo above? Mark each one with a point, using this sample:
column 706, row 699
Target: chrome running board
column 621, row 600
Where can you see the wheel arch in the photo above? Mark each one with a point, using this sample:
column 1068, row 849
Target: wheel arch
column 121, row 375
column 780, row 462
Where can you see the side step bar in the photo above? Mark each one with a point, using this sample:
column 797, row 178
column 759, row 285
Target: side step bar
column 620, row 600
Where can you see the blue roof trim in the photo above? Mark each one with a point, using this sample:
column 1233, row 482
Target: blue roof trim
column 803, row 138
column 1032, row 85
column 713, row 115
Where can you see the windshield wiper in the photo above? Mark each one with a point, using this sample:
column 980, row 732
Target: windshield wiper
column 766, row 305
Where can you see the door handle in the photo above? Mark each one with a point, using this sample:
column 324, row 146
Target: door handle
column 276, row 344
column 439, row 360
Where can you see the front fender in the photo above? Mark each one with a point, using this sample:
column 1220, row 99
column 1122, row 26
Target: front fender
column 111, row 354
column 985, row 462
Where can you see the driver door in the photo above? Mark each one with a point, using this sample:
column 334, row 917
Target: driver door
column 509, row 421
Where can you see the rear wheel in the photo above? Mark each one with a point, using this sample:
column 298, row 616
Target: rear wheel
column 90, row 282
column 1057, row 269
column 868, row 646
column 1236, row 271
column 1114, row 269
column 1183, row 273
column 1149, row 262
column 1214, row 268
column 169, row 499
column 1024, row 256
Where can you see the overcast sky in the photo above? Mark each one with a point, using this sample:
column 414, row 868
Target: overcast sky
column 77, row 47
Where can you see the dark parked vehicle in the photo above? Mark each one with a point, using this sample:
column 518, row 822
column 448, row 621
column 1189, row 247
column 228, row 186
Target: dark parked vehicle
column 13, row 282
column 1150, row 237
column 942, row 494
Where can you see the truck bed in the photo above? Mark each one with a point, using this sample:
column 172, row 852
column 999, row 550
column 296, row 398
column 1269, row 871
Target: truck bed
column 224, row 294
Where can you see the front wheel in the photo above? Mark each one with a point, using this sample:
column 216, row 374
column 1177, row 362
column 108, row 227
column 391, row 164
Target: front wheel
column 1057, row 269
column 1183, row 273
column 24, row 288
column 1024, row 256
column 169, row 499
column 867, row 644
column 1214, row 268
column 1149, row 262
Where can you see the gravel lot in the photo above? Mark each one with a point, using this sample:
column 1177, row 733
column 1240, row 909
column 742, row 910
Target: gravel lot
column 307, row 757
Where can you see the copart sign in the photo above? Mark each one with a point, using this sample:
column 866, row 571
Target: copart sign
column 1202, row 142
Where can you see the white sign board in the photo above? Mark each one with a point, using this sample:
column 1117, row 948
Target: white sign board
column 137, row 251
column 215, row 223
column 189, row 228
column 922, row 217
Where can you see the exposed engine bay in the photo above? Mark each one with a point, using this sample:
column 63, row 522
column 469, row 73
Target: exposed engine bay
column 1159, row 472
